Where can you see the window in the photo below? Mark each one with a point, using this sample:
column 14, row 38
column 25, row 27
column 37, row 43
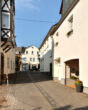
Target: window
column 26, row 52
column 70, row 26
column 24, row 59
column 30, row 59
column 33, row 59
column 5, row 20
column 32, row 52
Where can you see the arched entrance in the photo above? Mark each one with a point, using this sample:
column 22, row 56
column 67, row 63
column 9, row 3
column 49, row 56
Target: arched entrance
column 2, row 67
column 71, row 72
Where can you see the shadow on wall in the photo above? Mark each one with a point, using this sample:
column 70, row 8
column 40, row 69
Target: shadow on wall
column 69, row 108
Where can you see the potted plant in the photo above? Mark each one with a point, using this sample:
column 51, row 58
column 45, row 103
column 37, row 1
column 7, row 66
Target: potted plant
column 79, row 85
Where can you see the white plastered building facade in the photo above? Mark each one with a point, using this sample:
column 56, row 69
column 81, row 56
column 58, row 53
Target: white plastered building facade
column 46, row 55
column 72, row 45
column 30, row 58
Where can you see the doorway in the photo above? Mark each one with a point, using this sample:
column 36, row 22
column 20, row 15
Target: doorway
column 71, row 72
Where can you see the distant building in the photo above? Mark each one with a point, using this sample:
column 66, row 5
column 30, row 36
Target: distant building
column 30, row 59
column 18, row 52
column 46, row 53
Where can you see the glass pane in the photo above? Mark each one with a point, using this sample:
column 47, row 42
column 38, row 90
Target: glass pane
column 5, row 21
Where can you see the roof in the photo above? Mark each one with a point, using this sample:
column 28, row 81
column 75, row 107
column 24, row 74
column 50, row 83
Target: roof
column 48, row 34
column 31, row 46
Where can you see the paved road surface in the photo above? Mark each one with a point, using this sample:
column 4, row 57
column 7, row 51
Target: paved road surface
column 35, row 91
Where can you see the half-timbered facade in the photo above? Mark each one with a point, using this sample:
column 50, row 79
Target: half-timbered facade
column 7, row 37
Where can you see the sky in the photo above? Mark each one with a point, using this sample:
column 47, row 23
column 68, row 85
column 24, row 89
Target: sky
column 33, row 19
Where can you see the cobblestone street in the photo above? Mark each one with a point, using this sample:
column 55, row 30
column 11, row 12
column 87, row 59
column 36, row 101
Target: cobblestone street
column 35, row 91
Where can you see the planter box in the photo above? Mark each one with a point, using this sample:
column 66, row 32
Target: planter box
column 79, row 88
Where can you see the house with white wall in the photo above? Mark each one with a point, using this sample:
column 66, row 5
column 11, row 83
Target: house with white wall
column 30, row 58
column 70, row 55
column 46, row 53
column 69, row 44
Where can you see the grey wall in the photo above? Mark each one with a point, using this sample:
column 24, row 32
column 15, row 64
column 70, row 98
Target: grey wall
column 66, row 4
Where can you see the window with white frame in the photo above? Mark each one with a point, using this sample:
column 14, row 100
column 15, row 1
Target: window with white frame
column 30, row 59
column 24, row 59
column 5, row 20
column 26, row 52
column 32, row 52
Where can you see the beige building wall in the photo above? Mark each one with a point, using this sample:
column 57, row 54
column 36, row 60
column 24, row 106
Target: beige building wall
column 9, row 61
column 75, row 45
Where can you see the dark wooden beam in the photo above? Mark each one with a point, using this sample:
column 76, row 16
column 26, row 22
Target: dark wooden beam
column 7, row 50
column 5, row 11
column 5, row 47
column 3, row 44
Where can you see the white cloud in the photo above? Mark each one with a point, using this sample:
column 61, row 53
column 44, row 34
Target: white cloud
column 26, row 4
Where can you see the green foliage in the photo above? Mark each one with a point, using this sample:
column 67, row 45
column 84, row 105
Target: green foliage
column 73, row 77
column 78, row 82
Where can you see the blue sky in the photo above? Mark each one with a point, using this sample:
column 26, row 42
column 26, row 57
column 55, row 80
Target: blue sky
column 29, row 32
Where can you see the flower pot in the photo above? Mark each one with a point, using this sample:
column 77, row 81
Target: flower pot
column 79, row 88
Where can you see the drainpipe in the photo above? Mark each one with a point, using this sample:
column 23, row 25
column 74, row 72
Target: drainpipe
column 0, row 40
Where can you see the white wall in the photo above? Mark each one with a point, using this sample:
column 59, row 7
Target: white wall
column 29, row 55
column 46, row 55
column 76, row 45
